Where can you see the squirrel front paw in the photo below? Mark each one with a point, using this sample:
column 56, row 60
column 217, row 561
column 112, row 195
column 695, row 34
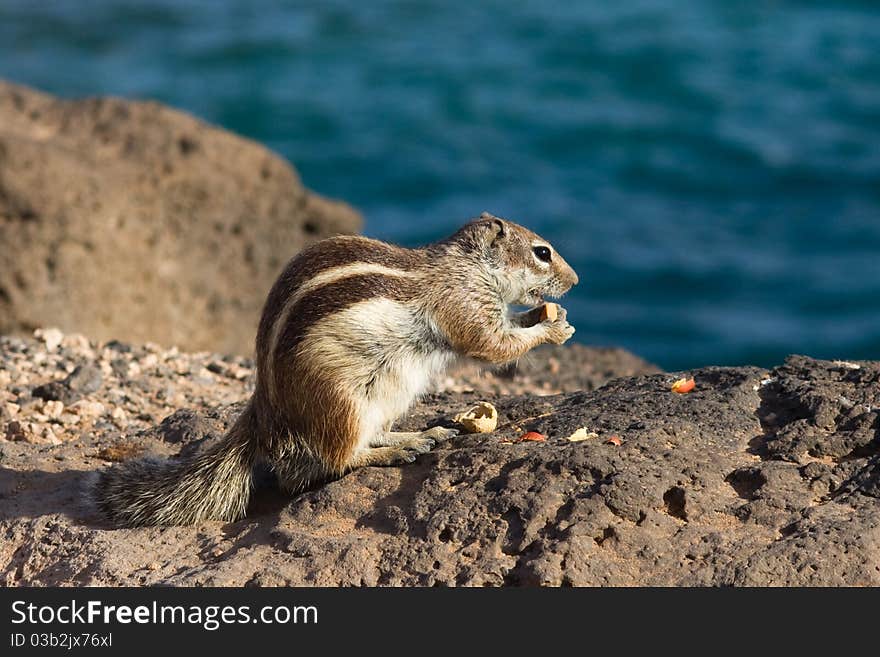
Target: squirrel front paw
column 557, row 331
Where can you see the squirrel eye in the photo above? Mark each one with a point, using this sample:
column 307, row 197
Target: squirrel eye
column 542, row 252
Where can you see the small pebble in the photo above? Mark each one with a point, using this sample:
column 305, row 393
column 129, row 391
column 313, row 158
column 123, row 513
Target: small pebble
column 78, row 344
column 52, row 337
column 120, row 417
column 87, row 409
column 69, row 418
column 53, row 409
column 15, row 430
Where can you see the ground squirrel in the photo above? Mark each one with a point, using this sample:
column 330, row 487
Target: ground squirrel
column 352, row 332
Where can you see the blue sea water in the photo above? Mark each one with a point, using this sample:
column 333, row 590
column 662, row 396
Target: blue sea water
column 710, row 168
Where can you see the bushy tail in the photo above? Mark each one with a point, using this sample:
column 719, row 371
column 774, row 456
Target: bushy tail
column 214, row 484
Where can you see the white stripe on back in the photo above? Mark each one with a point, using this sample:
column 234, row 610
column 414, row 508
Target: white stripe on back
column 321, row 279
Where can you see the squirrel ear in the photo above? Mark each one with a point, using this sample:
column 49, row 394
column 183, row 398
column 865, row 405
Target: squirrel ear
column 497, row 229
column 486, row 231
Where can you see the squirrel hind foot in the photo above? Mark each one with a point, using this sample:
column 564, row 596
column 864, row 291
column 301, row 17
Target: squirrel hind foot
column 396, row 438
column 400, row 454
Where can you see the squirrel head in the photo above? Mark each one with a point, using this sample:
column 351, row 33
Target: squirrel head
column 526, row 266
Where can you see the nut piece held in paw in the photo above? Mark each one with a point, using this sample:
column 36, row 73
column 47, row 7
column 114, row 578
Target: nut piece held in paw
column 538, row 314
column 549, row 311
column 481, row 418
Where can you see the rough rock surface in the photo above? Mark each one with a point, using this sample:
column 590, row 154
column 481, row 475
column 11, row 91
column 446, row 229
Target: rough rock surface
column 133, row 221
column 755, row 478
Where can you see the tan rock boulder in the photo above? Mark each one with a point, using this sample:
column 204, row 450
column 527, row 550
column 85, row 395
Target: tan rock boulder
column 134, row 221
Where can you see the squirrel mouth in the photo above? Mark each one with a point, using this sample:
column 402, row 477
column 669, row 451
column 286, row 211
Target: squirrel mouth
column 534, row 297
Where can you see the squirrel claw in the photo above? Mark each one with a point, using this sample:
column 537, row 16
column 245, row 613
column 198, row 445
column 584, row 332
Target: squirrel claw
column 441, row 434
column 419, row 445
column 558, row 331
column 400, row 456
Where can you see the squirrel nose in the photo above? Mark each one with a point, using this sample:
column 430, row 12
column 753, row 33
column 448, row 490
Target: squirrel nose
column 574, row 277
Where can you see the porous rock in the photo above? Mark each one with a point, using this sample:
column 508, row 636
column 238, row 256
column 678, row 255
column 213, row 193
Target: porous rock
column 755, row 478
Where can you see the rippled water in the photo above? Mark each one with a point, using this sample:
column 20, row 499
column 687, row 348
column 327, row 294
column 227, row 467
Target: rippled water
column 711, row 169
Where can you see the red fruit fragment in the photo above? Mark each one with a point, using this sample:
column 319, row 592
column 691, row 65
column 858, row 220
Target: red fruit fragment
column 683, row 385
column 533, row 436
column 614, row 440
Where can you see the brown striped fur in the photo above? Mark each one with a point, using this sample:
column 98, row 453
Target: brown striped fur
column 351, row 333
